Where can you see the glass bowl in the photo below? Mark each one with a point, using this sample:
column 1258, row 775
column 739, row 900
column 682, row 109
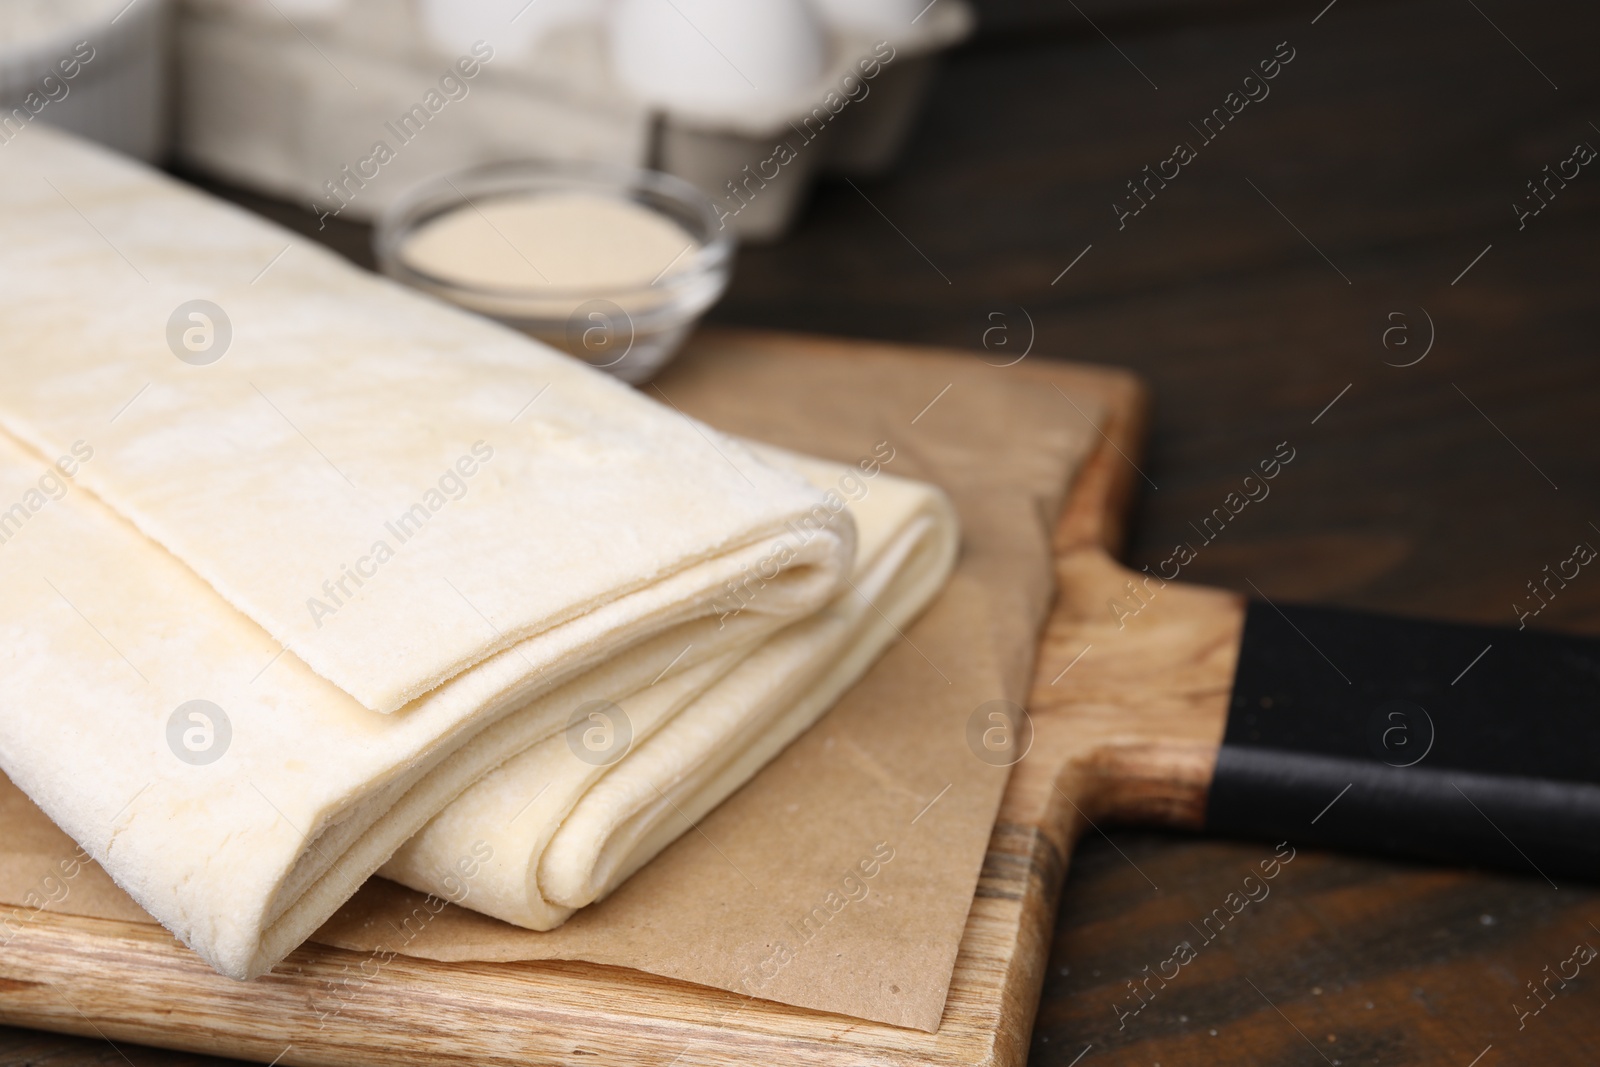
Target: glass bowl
column 629, row 331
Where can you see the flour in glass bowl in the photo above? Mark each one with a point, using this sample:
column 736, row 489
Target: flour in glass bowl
column 553, row 241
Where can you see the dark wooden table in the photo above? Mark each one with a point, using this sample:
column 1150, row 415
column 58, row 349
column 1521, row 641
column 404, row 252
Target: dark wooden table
column 1265, row 293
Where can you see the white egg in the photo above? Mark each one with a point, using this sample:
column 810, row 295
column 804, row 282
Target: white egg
column 511, row 27
column 717, row 55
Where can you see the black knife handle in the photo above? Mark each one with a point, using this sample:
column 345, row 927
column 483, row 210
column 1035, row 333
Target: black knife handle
column 1472, row 745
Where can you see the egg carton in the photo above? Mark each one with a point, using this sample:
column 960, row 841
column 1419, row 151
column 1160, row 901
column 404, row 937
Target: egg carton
column 295, row 102
column 95, row 67
column 758, row 167
column 294, row 98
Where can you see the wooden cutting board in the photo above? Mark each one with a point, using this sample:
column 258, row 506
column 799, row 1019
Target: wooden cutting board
column 1127, row 723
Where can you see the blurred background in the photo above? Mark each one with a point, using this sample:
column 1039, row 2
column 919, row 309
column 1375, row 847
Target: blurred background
column 1365, row 257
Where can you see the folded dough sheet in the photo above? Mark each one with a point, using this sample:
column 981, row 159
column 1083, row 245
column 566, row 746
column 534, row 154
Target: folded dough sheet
column 394, row 545
column 561, row 825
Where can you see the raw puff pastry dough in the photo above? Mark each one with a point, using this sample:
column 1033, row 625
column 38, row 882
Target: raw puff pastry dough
column 562, row 832
column 581, row 559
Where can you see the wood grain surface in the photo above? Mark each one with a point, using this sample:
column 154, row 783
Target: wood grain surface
column 1396, row 142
